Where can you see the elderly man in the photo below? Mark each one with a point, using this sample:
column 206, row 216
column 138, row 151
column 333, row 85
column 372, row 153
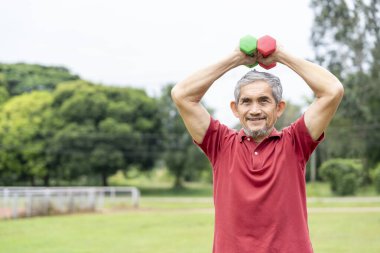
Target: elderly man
column 259, row 172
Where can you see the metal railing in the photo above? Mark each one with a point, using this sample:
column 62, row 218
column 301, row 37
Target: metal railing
column 18, row 202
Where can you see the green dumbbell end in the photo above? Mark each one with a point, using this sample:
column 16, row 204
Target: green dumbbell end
column 248, row 45
column 252, row 65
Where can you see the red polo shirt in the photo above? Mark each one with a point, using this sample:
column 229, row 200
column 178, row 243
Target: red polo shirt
column 259, row 189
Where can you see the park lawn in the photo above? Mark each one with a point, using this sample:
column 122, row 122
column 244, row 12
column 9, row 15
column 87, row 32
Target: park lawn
column 134, row 232
column 317, row 189
column 168, row 203
column 345, row 232
column 188, row 202
column 170, row 230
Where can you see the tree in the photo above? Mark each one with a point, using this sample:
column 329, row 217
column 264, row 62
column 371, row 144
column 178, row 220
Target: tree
column 4, row 95
column 74, row 131
column 182, row 157
column 104, row 129
column 19, row 78
column 23, row 137
column 346, row 39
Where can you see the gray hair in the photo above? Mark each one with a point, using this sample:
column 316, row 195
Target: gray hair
column 253, row 76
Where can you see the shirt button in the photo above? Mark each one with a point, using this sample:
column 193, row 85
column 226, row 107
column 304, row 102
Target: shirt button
column 256, row 153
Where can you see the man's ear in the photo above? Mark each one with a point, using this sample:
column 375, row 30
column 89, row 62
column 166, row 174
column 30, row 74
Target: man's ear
column 281, row 108
column 234, row 110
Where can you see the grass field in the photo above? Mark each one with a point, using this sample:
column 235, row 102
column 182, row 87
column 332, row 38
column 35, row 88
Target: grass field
column 205, row 190
column 182, row 224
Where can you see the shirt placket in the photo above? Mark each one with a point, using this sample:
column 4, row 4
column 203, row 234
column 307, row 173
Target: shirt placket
column 257, row 156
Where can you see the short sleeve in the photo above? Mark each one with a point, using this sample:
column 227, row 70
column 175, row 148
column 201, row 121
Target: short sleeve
column 303, row 142
column 214, row 139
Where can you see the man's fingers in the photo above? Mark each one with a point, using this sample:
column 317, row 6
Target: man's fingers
column 266, row 61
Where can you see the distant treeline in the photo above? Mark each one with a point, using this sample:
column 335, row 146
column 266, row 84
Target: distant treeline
column 56, row 127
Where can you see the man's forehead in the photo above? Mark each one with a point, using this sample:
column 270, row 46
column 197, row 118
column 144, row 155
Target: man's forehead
column 256, row 89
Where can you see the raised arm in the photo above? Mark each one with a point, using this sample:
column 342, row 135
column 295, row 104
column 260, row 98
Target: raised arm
column 188, row 93
column 327, row 89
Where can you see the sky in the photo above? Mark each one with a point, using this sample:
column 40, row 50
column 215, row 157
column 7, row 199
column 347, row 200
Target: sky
column 148, row 44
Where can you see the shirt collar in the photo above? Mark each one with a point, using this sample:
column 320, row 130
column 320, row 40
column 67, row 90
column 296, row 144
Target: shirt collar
column 274, row 134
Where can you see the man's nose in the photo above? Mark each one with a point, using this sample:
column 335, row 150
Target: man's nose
column 255, row 109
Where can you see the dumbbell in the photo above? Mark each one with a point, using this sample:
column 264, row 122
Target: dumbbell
column 266, row 45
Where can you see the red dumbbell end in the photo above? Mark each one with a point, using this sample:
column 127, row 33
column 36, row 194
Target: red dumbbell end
column 266, row 45
column 268, row 66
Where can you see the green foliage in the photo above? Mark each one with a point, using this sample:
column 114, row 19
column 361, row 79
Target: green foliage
column 344, row 175
column 4, row 94
column 346, row 39
column 376, row 177
column 105, row 129
column 78, row 131
column 20, row 77
column 22, row 136
column 345, row 34
column 118, row 179
column 183, row 159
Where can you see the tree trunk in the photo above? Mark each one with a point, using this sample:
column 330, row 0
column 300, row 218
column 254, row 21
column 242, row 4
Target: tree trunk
column 104, row 179
column 47, row 180
column 32, row 181
column 178, row 184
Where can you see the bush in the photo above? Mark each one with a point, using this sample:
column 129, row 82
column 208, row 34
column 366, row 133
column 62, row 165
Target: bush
column 376, row 178
column 344, row 175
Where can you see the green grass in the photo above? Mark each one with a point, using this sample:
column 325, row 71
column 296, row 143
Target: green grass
column 170, row 231
column 165, row 225
column 317, row 189
column 189, row 190
column 341, row 205
column 345, row 232
column 180, row 220
column 159, row 182
column 135, row 232
column 178, row 203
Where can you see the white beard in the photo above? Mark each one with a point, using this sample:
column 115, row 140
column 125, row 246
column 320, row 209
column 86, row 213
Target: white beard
column 258, row 133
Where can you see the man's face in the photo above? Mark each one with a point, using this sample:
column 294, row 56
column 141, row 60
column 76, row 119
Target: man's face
column 257, row 109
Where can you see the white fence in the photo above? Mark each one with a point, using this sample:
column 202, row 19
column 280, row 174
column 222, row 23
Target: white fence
column 18, row 202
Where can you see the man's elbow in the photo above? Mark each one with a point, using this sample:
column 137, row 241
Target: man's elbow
column 338, row 91
column 335, row 91
column 175, row 94
column 181, row 97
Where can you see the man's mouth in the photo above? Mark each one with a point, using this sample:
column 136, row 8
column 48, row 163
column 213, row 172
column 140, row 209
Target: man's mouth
column 255, row 118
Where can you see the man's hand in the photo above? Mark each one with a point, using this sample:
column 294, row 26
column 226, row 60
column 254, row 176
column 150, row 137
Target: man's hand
column 274, row 57
column 245, row 59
